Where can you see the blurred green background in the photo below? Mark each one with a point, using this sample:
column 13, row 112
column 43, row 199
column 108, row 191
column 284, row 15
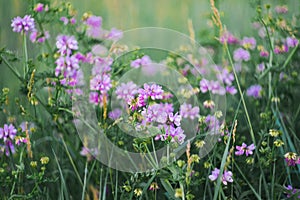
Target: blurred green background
column 128, row 14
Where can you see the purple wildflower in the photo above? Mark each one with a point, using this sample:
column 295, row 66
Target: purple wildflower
column 65, row 20
column 248, row 150
column 94, row 24
column 172, row 134
column 260, row 67
column 114, row 34
column 126, row 91
column 145, row 60
column 35, row 36
column 39, row 7
column 73, row 20
column 255, row 91
column 241, row 55
column 115, row 114
column 187, row 111
column 291, row 42
column 248, row 43
column 292, row 191
column 231, row 90
column 66, row 44
column 281, row 9
column 101, row 83
column 24, row 24
column 94, row 98
column 66, row 66
column 292, row 159
column 226, row 177
column 264, row 53
column 8, row 133
column 101, row 65
column 225, row 77
column 153, row 91
column 229, row 38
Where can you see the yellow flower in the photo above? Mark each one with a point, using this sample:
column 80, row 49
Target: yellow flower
column 178, row 193
column 33, row 164
column 195, row 158
column 274, row 132
column 44, row 160
column 153, row 186
column 199, row 143
column 207, row 165
column 291, row 155
column 209, row 104
column 278, row 143
column 138, row 192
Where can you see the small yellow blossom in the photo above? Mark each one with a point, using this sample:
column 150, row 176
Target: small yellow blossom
column 199, row 143
column 138, row 192
column 195, row 158
column 274, row 132
column 207, row 165
column 44, row 160
column 154, row 186
column 178, row 193
column 278, row 143
column 33, row 164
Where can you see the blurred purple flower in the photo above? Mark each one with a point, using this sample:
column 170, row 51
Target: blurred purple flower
column 114, row 34
column 187, row 111
column 248, row 150
column 65, row 20
column 255, row 91
column 39, row 7
column 94, row 29
column 145, row 60
column 241, row 54
column 281, row 9
column 260, row 67
column 231, row 90
column 225, row 77
column 35, row 36
column 229, row 38
column 291, row 42
column 292, row 191
column 101, row 65
column 24, row 24
column 248, row 43
column 115, row 114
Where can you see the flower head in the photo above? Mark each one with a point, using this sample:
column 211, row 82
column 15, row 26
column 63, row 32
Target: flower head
column 187, row 111
column 126, row 91
column 292, row 159
column 241, row 54
column 66, row 44
column 248, row 43
column 226, row 177
column 24, row 24
column 255, row 91
column 248, row 150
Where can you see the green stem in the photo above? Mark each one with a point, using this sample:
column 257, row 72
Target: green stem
column 25, row 55
column 84, row 182
column 241, row 94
